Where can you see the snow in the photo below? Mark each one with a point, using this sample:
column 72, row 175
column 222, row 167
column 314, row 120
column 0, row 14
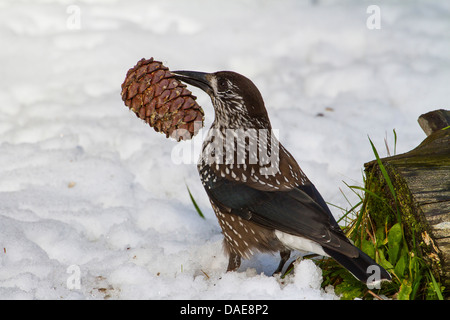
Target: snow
column 89, row 192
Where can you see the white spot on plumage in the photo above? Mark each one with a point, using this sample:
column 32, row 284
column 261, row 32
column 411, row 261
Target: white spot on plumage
column 299, row 243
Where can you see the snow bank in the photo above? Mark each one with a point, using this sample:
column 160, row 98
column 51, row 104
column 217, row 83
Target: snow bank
column 92, row 205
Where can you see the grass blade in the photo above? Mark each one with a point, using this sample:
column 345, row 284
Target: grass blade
column 386, row 177
column 395, row 142
column 360, row 196
column 436, row 287
column 373, row 194
column 200, row 213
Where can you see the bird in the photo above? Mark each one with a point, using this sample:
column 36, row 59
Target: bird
column 262, row 199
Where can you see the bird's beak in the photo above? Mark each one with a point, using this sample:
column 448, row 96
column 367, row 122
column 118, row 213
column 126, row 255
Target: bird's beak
column 198, row 79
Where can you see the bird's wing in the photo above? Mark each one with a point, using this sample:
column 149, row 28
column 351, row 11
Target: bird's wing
column 293, row 212
column 282, row 199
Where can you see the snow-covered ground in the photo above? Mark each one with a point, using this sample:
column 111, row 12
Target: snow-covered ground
column 89, row 192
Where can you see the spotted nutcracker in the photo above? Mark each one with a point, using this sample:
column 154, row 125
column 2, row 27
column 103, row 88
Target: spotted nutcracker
column 260, row 209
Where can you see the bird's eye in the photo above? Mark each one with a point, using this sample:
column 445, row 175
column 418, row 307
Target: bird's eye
column 222, row 85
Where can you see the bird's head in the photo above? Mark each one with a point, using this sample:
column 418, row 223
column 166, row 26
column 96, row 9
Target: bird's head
column 235, row 98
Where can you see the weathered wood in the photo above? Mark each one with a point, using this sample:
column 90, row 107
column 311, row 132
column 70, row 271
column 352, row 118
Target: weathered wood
column 421, row 178
column 434, row 121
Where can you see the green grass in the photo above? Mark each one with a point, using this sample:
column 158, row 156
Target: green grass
column 197, row 208
column 386, row 243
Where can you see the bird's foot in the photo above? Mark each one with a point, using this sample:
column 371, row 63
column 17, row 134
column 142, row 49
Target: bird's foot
column 284, row 258
column 234, row 262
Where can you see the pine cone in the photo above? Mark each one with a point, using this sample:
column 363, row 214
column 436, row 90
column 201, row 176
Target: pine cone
column 155, row 96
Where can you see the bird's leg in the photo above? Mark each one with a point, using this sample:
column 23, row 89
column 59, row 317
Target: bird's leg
column 234, row 262
column 284, row 254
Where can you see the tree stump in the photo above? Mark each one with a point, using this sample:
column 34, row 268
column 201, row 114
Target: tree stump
column 421, row 179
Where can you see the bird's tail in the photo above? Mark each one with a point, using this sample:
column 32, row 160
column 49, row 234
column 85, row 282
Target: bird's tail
column 362, row 267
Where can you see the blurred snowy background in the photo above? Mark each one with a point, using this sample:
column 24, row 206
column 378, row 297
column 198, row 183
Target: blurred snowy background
column 89, row 192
